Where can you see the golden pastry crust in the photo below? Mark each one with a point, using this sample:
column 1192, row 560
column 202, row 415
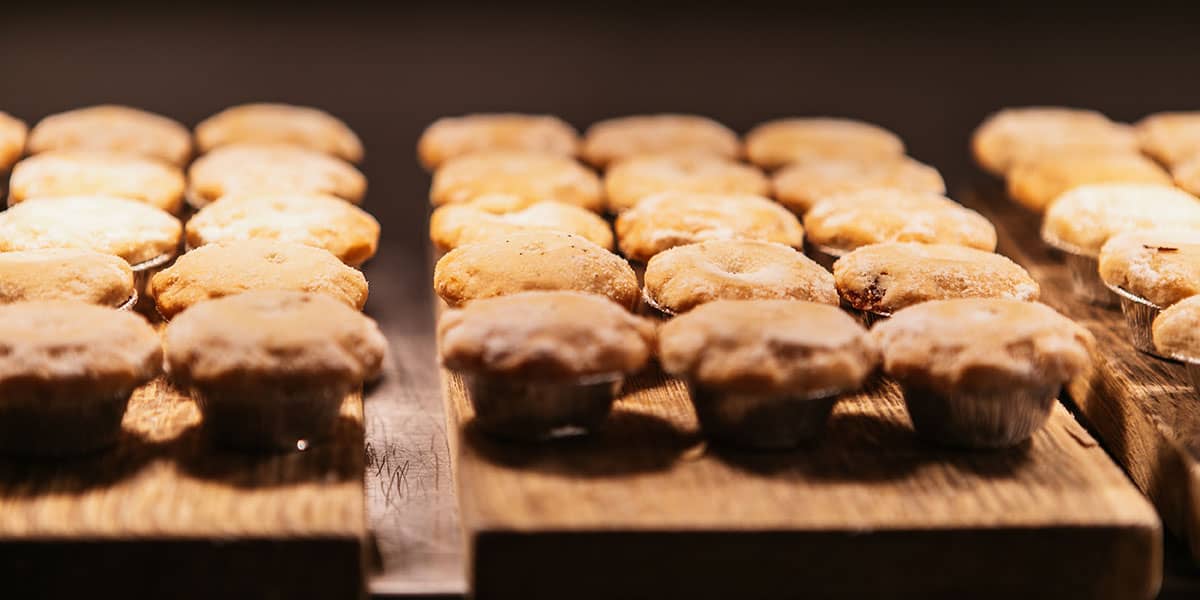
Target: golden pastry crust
column 670, row 219
column 1187, row 175
column 1015, row 135
column 982, row 344
column 311, row 219
column 273, row 334
column 1170, row 137
column 1176, row 330
column 801, row 185
column 884, row 278
column 628, row 181
column 614, row 139
column 1036, row 184
column 271, row 169
column 225, row 269
column 1160, row 265
column 454, row 225
column 768, row 346
column 80, row 173
column 64, row 274
column 795, row 140
column 273, row 123
column 1082, row 219
column 538, row 259
column 111, row 128
column 544, row 335
column 12, row 140
column 684, row 277
column 529, row 176
column 451, row 137
column 135, row 231
column 878, row 215
column 69, row 343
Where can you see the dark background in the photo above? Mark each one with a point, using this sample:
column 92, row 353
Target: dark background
column 929, row 74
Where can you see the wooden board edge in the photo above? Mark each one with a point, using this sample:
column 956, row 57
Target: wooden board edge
column 1117, row 562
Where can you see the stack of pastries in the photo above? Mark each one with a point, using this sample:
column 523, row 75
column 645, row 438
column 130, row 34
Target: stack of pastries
column 748, row 266
column 1119, row 202
column 250, row 254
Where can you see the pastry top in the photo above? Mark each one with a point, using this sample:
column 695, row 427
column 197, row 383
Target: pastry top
column 228, row 268
column 884, row 278
column 253, row 168
column 1015, row 135
column 529, row 176
column 672, row 219
column 135, row 231
column 801, row 185
column 796, row 140
column 12, row 139
column 1037, row 183
column 454, row 225
column 545, row 335
column 1082, row 219
column 1170, row 137
column 276, row 335
column 629, row 180
column 537, row 259
column 73, row 342
column 767, row 346
column 450, row 137
column 1160, row 265
column 273, row 123
column 684, row 277
column 877, row 215
column 623, row 137
column 79, row 173
column 64, row 274
column 1176, row 330
column 312, row 219
column 111, row 128
column 982, row 344
column 1187, row 175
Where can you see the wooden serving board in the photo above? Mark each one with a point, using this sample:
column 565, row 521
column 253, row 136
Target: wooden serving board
column 166, row 515
column 1143, row 408
column 646, row 508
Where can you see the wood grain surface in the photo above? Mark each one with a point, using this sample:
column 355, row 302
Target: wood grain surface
column 647, row 505
column 1143, row 408
column 200, row 521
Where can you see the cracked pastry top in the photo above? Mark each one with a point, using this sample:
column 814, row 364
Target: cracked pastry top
column 1160, row 265
column 679, row 279
column 628, row 181
column 884, row 278
column 981, row 344
column 670, row 219
column 132, row 230
column 1084, row 218
column 800, row 186
column 878, row 215
column 765, row 346
column 455, row 225
column 538, row 259
column 249, row 168
column 545, row 335
column 81, row 173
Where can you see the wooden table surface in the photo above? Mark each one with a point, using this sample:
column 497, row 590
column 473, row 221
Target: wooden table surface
column 928, row 75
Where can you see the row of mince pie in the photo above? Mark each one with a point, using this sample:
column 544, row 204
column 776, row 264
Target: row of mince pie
column 542, row 326
column 265, row 327
column 1118, row 201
